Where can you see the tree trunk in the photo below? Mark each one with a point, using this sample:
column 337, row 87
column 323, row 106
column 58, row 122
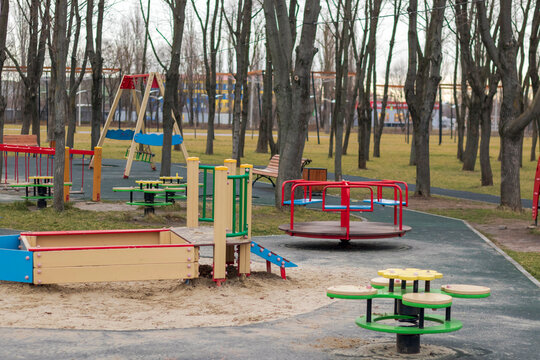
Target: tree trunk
column 421, row 149
column 266, row 126
column 473, row 124
column 262, row 141
column 177, row 8
column 511, row 125
column 377, row 133
column 349, row 115
column 534, row 139
column 485, row 164
column 245, row 115
column 342, row 76
column 421, row 85
column 241, row 34
column 292, row 84
column 412, row 155
column 96, row 61
column 60, row 50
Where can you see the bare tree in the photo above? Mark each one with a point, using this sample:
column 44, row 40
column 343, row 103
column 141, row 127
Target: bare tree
column 266, row 138
column 460, row 115
column 423, row 77
column 511, row 122
column 37, row 19
column 240, row 36
column 379, row 125
column 365, row 69
column 478, row 70
column 533, row 66
column 146, row 19
column 292, row 82
column 191, row 69
column 74, row 78
column 172, row 75
column 96, row 61
column 343, row 30
column 60, row 49
column 210, row 49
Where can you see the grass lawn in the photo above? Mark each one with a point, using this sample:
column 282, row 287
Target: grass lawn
column 393, row 164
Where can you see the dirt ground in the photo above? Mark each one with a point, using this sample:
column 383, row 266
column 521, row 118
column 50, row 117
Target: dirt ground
column 513, row 234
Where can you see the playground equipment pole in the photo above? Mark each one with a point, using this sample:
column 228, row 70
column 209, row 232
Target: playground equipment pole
column 220, row 225
column 192, row 216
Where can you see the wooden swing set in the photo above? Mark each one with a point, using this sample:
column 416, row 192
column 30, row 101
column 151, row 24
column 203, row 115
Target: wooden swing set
column 139, row 135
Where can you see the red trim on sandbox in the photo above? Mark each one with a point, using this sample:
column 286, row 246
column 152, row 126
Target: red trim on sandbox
column 110, row 247
column 90, row 232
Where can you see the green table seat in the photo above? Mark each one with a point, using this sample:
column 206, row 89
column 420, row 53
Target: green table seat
column 466, row 291
column 127, row 189
column 37, row 197
column 442, row 327
column 142, row 203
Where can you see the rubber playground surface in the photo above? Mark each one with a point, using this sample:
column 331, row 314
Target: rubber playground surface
column 503, row 326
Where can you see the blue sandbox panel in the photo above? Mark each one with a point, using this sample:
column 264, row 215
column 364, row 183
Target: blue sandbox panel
column 9, row 242
column 16, row 265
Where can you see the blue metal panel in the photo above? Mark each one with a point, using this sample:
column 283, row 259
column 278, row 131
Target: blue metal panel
column 270, row 256
column 16, row 265
column 303, row 201
column 9, row 242
column 120, row 134
column 156, row 139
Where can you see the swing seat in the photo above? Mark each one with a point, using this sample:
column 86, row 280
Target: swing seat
column 120, row 134
column 154, row 139
column 141, row 156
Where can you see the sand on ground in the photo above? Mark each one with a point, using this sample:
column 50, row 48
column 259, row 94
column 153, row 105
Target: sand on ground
column 166, row 304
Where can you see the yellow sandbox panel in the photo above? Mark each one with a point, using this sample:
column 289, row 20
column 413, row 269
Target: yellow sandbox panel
column 77, row 274
column 165, row 255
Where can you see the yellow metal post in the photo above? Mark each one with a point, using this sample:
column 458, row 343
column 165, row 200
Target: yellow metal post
column 220, row 224
column 244, row 250
column 231, row 198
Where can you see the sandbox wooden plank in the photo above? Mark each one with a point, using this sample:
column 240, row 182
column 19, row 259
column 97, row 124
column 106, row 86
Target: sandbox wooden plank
column 54, row 259
column 77, row 274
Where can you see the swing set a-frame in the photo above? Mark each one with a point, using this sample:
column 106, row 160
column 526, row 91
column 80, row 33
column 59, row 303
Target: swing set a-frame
column 139, row 135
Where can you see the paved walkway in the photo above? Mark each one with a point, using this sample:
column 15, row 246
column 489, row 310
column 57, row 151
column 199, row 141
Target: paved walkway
column 503, row 326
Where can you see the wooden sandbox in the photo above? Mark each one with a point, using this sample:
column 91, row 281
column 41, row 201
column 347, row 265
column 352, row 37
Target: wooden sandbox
column 106, row 255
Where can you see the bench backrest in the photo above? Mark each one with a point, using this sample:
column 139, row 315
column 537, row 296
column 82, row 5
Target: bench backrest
column 23, row 140
column 274, row 163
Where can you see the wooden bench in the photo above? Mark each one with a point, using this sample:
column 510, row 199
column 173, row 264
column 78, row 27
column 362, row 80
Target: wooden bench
column 271, row 170
column 22, row 140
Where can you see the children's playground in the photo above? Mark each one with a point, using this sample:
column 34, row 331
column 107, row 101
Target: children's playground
column 380, row 282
